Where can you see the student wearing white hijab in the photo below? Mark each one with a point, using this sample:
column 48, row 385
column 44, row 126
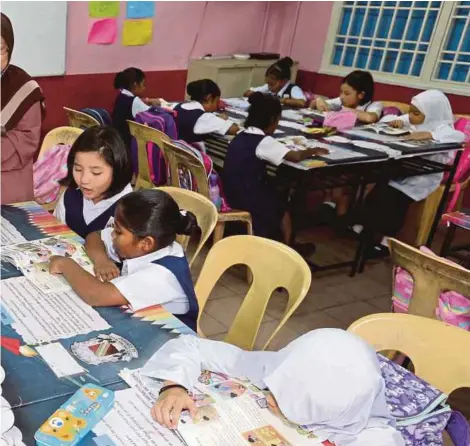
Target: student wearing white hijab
column 328, row 379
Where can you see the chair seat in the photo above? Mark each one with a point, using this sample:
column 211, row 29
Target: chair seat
column 235, row 215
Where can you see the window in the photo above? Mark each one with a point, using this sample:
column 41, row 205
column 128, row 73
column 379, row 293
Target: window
column 424, row 44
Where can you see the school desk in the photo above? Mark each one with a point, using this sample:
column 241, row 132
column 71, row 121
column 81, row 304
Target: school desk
column 348, row 166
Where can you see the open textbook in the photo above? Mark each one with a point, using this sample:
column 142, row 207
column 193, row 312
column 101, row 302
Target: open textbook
column 231, row 412
column 32, row 259
column 384, row 129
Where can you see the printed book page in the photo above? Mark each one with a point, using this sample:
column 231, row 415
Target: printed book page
column 10, row 235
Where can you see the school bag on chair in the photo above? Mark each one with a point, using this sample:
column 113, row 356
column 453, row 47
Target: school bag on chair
column 100, row 114
column 163, row 121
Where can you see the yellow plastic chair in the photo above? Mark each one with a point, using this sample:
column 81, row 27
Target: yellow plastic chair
column 177, row 159
column 79, row 119
column 272, row 265
column 431, row 275
column 144, row 134
column 202, row 208
column 60, row 135
column 440, row 352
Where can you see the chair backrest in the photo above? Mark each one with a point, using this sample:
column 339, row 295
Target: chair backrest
column 272, row 264
column 204, row 210
column 143, row 135
column 440, row 352
column 79, row 119
column 431, row 275
column 177, row 159
column 59, row 135
column 402, row 106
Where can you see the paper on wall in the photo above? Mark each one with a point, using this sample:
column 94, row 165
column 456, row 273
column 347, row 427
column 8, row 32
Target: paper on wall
column 103, row 32
column 140, row 9
column 137, row 32
column 98, row 10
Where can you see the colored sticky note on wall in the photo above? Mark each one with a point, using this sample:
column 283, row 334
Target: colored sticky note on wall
column 103, row 32
column 140, row 10
column 137, row 32
column 101, row 10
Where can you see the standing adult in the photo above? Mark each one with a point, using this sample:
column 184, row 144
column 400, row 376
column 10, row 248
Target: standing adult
column 21, row 119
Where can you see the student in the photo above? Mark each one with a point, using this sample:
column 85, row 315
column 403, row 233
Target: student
column 130, row 101
column 154, row 267
column 328, row 379
column 195, row 120
column 245, row 179
column 430, row 118
column 99, row 174
column 356, row 94
column 278, row 83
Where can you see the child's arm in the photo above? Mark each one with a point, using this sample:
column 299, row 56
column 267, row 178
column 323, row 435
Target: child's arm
column 233, row 130
column 89, row 288
column 248, row 93
column 366, row 117
column 290, row 102
column 262, row 89
column 296, row 156
column 105, row 268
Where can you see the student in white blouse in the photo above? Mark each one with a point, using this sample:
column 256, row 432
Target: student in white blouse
column 154, row 269
column 278, row 83
column 328, row 379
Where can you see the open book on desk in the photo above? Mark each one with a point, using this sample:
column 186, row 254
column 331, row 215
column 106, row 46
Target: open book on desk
column 385, row 129
column 32, row 259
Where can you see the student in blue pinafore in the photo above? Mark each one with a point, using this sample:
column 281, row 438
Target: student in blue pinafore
column 153, row 269
column 246, row 183
column 99, row 174
column 195, row 120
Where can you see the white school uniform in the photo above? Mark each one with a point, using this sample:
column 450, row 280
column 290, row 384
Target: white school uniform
column 138, row 105
column 439, row 121
column 370, row 107
column 208, row 122
column 144, row 283
column 269, row 149
column 91, row 211
column 296, row 92
column 328, row 379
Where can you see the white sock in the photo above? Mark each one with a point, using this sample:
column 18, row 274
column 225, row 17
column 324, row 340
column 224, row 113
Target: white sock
column 330, row 203
column 357, row 228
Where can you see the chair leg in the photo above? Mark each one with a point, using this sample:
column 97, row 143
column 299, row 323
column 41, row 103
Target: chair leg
column 249, row 227
column 219, row 231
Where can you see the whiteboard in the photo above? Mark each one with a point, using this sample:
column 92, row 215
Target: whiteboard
column 40, row 35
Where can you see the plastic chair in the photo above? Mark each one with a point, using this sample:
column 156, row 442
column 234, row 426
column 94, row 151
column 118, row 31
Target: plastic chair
column 79, row 119
column 431, row 276
column 272, row 265
column 440, row 353
column 178, row 158
column 144, row 134
column 202, row 208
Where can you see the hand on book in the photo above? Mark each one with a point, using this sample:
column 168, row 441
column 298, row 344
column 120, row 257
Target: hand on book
column 106, row 270
column 418, row 136
column 317, row 151
column 56, row 263
column 397, row 124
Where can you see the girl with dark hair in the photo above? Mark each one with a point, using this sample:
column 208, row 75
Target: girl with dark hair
column 195, row 119
column 356, row 94
column 278, row 83
column 130, row 101
column 245, row 181
column 154, row 269
column 99, row 174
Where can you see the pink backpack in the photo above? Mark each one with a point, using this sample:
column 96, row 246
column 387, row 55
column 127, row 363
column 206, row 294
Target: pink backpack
column 342, row 120
column 48, row 171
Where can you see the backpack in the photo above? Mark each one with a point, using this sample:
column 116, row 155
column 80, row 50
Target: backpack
column 163, row 121
column 100, row 114
column 48, row 171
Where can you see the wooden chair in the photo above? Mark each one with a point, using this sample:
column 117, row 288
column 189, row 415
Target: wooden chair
column 178, row 158
column 272, row 265
column 144, row 134
column 60, row 135
column 79, row 119
column 431, row 276
column 202, row 208
column 440, row 352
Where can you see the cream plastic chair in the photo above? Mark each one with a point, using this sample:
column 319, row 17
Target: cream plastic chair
column 144, row 134
column 178, row 158
column 440, row 352
column 60, row 135
column 431, row 276
column 202, row 208
column 272, row 265
column 79, row 119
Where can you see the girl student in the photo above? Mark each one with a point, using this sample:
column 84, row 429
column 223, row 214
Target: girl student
column 356, row 94
column 245, row 179
column 430, row 118
column 154, row 269
column 99, row 174
column 327, row 379
column 278, row 83
column 130, row 101
column 195, row 120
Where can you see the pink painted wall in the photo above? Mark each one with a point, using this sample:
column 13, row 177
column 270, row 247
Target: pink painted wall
column 182, row 30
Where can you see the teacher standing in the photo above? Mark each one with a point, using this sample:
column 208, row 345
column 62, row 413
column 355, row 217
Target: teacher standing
column 21, row 119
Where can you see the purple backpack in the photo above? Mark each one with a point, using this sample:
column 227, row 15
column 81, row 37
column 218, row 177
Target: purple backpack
column 160, row 120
